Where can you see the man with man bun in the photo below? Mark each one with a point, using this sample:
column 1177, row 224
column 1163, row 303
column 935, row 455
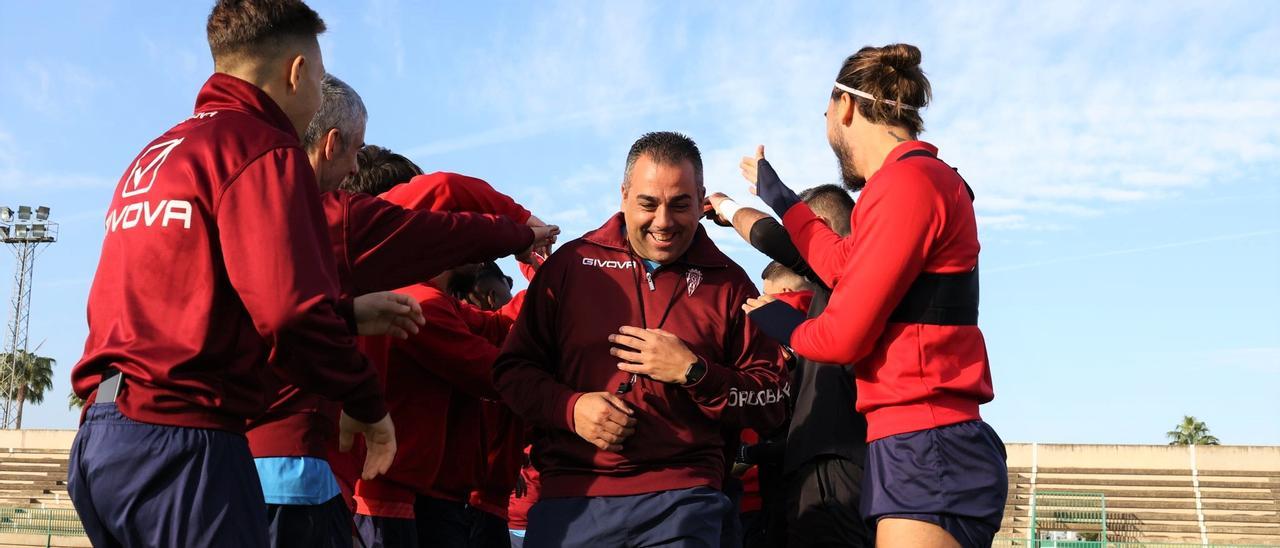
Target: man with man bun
column 904, row 308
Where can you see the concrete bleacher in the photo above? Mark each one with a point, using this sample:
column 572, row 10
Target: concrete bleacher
column 1218, row 495
column 1150, row 492
column 34, row 507
column 33, row 478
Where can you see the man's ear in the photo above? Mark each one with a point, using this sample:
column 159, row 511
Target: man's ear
column 297, row 72
column 846, row 109
column 332, row 143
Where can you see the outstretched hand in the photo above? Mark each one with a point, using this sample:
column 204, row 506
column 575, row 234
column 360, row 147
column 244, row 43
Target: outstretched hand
column 765, row 183
column 388, row 313
column 749, row 168
column 544, row 236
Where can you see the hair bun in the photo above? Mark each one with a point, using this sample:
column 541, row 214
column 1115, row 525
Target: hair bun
column 904, row 57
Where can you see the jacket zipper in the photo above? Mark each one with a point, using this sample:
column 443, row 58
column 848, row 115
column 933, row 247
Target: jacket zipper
column 649, row 276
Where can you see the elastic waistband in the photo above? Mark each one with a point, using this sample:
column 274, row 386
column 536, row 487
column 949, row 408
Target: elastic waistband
column 105, row 412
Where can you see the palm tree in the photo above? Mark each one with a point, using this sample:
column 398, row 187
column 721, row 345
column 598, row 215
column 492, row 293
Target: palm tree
column 1191, row 432
column 34, row 375
column 74, row 401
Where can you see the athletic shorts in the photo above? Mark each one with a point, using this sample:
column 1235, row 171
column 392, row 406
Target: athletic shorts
column 952, row 476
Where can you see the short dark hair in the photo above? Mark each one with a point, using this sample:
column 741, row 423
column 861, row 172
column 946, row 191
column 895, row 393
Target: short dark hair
column 490, row 269
column 258, row 28
column 380, row 169
column 777, row 272
column 461, row 285
column 832, row 202
column 668, row 148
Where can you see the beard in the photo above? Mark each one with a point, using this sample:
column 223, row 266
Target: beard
column 844, row 159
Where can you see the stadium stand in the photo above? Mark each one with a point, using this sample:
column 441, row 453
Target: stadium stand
column 34, row 508
column 1220, row 495
column 1147, row 494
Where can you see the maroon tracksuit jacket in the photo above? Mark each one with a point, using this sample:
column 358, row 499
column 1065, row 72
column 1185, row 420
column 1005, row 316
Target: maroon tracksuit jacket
column 378, row 246
column 559, row 349
column 215, row 261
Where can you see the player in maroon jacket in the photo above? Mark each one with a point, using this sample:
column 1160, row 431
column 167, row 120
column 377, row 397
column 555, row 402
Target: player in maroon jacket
column 378, row 246
column 215, row 258
column 903, row 310
column 630, row 359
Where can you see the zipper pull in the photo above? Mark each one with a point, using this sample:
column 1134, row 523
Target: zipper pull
column 649, row 276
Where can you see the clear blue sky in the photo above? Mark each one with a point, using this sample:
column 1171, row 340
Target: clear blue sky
column 1124, row 156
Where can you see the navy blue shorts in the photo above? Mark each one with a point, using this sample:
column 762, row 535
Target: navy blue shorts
column 325, row 525
column 437, row 523
column 680, row 518
column 952, row 476
column 137, row 484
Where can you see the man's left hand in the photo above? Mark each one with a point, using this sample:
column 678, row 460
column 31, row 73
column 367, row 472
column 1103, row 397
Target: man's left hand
column 655, row 353
column 757, row 302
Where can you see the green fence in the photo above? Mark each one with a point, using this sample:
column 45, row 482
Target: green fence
column 1069, row 511
column 50, row 522
column 1024, row 543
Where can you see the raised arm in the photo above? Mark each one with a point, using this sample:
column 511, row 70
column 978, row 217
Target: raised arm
column 888, row 252
column 385, row 246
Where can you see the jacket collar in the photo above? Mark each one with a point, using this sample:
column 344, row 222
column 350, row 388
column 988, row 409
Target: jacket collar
column 225, row 92
column 702, row 251
column 900, row 150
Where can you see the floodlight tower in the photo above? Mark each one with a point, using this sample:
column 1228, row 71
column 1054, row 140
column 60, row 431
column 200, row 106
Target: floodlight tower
column 27, row 233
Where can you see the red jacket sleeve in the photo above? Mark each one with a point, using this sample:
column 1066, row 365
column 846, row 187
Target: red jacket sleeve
column 825, row 251
column 277, row 255
column 451, row 350
column 749, row 389
column 524, row 373
column 894, row 234
column 387, row 246
column 465, row 193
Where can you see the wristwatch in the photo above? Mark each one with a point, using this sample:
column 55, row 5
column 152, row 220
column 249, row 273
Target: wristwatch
column 696, row 371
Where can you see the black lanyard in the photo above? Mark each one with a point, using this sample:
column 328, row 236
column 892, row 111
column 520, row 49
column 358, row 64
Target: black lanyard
column 626, row 386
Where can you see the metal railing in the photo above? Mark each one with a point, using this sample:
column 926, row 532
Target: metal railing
column 1069, row 510
column 49, row 522
column 1045, row 543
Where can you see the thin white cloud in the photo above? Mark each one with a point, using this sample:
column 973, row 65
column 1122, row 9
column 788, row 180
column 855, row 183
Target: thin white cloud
column 1131, row 251
column 52, row 87
column 15, row 175
column 1056, row 113
column 597, row 116
column 385, row 18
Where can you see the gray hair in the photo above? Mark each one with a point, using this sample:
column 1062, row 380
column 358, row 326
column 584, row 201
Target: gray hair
column 341, row 108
